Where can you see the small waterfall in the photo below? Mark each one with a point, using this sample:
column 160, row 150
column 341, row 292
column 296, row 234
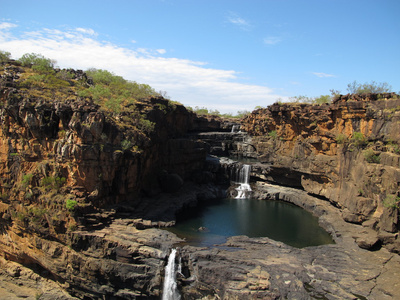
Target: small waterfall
column 235, row 128
column 170, row 289
column 243, row 179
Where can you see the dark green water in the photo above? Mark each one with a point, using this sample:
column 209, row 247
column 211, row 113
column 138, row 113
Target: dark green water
column 277, row 220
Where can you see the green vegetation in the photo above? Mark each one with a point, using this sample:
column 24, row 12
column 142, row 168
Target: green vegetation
column 114, row 92
column 4, row 56
column 37, row 214
column 203, row 111
column 51, row 182
column 26, row 180
column 126, row 145
column 311, row 100
column 371, row 157
column 358, row 139
column 71, row 204
column 341, row 138
column 37, row 62
column 392, row 201
column 352, row 88
column 118, row 98
column 42, row 81
column 393, row 147
column 273, row 134
column 372, row 87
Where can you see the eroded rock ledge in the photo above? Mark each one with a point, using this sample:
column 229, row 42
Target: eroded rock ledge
column 122, row 261
column 261, row 268
column 346, row 152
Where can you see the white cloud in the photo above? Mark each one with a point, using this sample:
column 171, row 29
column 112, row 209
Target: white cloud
column 87, row 31
column 323, row 75
column 235, row 19
column 6, row 25
column 161, row 51
column 4, row 30
column 272, row 40
column 192, row 83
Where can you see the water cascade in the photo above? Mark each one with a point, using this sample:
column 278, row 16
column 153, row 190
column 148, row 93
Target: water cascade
column 235, row 128
column 170, row 289
column 243, row 177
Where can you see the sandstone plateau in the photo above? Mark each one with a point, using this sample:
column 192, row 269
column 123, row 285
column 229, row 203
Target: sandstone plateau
column 85, row 195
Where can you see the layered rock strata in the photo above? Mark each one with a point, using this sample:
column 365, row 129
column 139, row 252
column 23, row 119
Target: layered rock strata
column 346, row 152
column 70, row 170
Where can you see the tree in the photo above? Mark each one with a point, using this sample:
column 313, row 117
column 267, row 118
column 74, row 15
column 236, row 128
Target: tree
column 242, row 113
column 372, row 87
column 4, row 56
column 312, row 100
column 38, row 62
column 322, row 99
column 301, row 99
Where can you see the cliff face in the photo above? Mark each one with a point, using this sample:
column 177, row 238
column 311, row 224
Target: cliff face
column 346, row 152
column 68, row 165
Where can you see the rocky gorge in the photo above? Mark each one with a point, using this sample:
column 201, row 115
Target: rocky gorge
column 85, row 195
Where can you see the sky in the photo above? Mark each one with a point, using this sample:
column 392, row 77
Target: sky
column 225, row 55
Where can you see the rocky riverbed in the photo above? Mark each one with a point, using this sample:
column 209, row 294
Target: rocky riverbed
column 241, row 268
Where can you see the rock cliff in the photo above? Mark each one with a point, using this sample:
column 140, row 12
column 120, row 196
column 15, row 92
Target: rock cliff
column 70, row 169
column 347, row 152
column 85, row 190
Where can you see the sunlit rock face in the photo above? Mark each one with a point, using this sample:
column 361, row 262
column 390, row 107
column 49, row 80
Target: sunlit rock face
column 346, row 152
column 79, row 183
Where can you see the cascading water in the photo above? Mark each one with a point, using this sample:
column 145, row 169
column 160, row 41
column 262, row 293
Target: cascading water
column 170, row 289
column 235, row 128
column 243, row 179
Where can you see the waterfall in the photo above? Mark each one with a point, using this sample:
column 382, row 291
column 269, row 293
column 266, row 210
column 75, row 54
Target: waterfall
column 170, row 289
column 243, row 179
column 235, row 128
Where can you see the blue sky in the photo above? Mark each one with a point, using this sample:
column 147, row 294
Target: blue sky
column 228, row 55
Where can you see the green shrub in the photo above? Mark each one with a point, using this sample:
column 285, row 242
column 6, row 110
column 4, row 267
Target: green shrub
column 341, row 138
column 393, row 146
column 4, row 56
column 372, row 87
column 392, row 201
column 358, row 139
column 37, row 214
column 146, row 125
column 126, row 145
column 38, row 62
column 71, row 204
column 112, row 91
column 273, row 134
column 48, row 81
column 370, row 156
column 26, row 180
column 53, row 182
column 322, row 99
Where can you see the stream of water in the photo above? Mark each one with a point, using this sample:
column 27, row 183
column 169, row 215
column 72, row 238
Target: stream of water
column 170, row 288
column 243, row 178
